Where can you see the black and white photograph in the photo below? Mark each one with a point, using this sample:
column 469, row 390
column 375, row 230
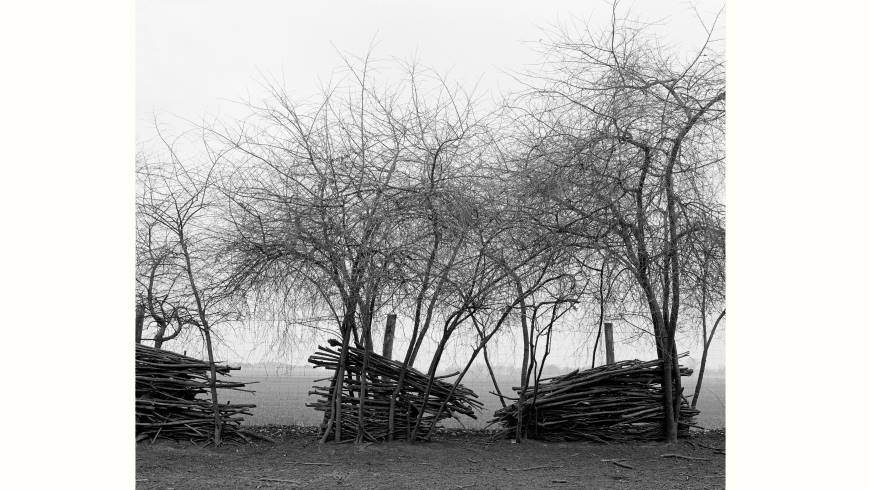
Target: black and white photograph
column 501, row 268
column 443, row 245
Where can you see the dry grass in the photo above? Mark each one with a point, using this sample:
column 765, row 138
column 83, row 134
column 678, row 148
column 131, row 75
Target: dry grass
column 449, row 462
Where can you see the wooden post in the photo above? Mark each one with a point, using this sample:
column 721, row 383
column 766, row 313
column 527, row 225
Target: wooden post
column 140, row 321
column 608, row 342
column 389, row 335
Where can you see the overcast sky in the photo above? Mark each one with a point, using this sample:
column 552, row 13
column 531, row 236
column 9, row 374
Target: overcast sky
column 195, row 59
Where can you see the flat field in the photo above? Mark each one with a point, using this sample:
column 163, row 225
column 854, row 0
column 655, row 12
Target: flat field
column 281, row 399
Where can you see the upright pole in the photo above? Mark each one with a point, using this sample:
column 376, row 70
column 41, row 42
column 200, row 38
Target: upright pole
column 608, row 342
column 140, row 321
column 389, row 335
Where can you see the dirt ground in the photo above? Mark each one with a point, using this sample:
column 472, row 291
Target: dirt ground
column 455, row 460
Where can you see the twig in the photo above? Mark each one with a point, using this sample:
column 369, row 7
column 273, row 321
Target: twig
column 534, row 468
column 690, row 458
column 156, row 435
column 279, row 480
column 618, row 462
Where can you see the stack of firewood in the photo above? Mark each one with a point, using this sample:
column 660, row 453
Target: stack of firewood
column 173, row 398
column 434, row 397
column 616, row 402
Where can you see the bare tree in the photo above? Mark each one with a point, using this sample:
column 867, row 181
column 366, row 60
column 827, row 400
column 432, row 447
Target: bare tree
column 163, row 295
column 173, row 204
column 629, row 133
column 347, row 196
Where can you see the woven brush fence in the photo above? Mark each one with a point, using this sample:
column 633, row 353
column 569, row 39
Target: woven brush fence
column 173, row 398
column 435, row 398
column 616, row 402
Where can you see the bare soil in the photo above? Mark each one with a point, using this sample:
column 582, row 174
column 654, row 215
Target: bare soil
column 456, row 459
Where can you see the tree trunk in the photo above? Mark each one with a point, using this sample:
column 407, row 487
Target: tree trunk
column 161, row 331
column 663, row 350
column 700, row 376
column 207, row 334
column 484, row 339
column 492, row 375
column 597, row 341
column 547, row 346
column 367, row 340
column 702, row 367
column 678, row 383
column 600, row 313
column 524, row 376
column 419, row 331
column 213, row 381
column 433, row 367
column 666, row 356
column 334, row 421
column 667, row 399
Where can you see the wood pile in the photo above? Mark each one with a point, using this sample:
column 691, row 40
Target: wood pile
column 382, row 378
column 616, row 402
column 173, row 398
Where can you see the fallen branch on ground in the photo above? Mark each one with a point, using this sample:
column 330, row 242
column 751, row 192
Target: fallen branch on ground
column 618, row 462
column 279, row 480
column 690, row 458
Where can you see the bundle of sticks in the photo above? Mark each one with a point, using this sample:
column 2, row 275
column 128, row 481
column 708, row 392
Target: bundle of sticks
column 173, row 398
column 422, row 398
column 616, row 402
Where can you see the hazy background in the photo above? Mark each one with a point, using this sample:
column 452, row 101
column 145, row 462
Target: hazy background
column 199, row 61
column 281, row 395
column 195, row 59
